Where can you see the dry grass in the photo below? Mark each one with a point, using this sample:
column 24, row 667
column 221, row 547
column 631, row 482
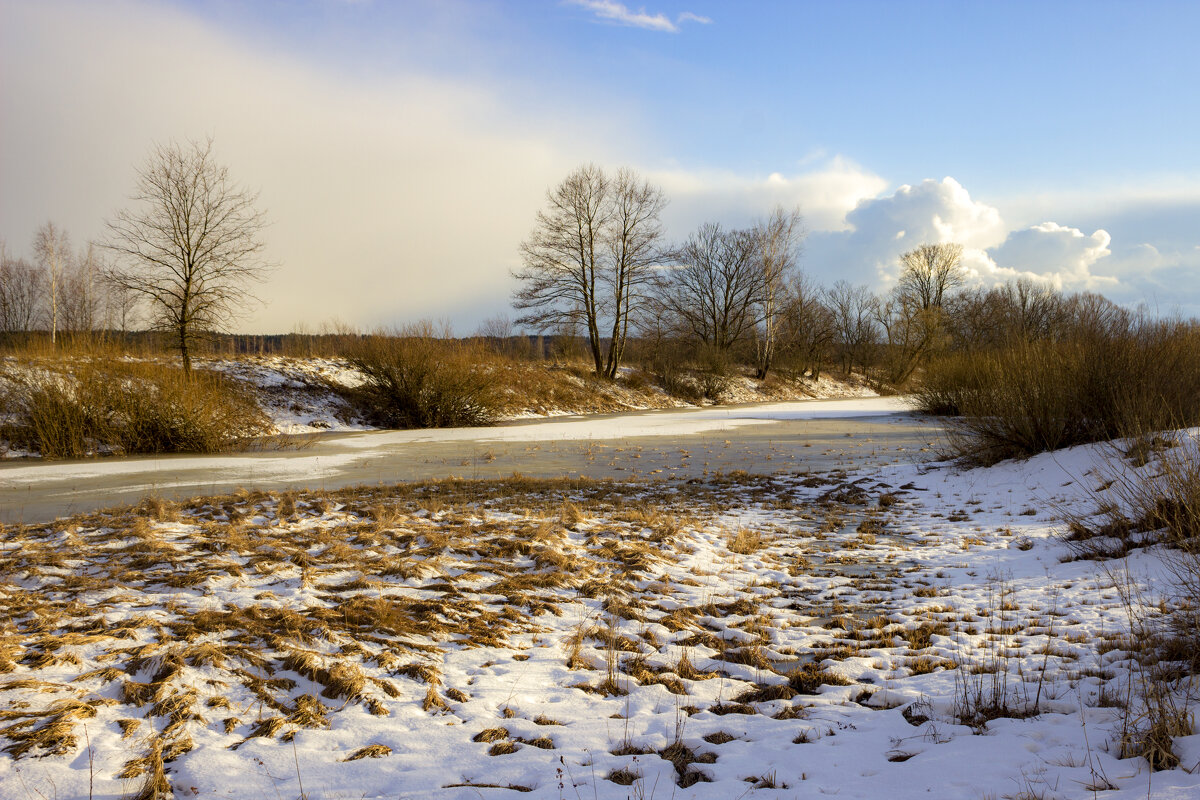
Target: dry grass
column 418, row 378
column 1150, row 495
column 745, row 542
column 1133, row 375
column 370, row 751
column 348, row 599
column 77, row 408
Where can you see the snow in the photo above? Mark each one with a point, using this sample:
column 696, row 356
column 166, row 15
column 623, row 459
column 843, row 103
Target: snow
column 972, row 550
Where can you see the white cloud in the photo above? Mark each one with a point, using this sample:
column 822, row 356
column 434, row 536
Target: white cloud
column 611, row 11
column 825, row 193
column 1055, row 253
column 879, row 228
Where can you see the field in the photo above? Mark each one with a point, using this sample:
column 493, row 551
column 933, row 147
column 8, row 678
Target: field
column 912, row 631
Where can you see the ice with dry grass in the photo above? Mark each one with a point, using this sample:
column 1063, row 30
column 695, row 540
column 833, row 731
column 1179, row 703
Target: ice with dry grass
column 908, row 631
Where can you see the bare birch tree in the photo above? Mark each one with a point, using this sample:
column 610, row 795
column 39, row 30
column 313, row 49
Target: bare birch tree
column 779, row 243
column 52, row 251
column 588, row 258
column 190, row 245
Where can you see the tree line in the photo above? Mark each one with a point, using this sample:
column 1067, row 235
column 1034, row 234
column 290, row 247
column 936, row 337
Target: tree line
column 596, row 267
column 60, row 289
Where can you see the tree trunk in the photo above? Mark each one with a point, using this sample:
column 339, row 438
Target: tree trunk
column 183, row 351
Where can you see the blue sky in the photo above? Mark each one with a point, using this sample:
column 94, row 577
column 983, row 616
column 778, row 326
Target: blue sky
column 1008, row 96
column 405, row 146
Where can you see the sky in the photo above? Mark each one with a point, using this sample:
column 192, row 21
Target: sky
column 401, row 150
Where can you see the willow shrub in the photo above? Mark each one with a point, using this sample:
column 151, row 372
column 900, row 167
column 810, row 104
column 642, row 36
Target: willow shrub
column 1030, row 397
column 416, row 378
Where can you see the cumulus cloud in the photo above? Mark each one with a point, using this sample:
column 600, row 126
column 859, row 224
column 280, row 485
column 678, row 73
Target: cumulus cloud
column 619, row 13
column 825, row 193
column 879, row 229
column 1055, row 253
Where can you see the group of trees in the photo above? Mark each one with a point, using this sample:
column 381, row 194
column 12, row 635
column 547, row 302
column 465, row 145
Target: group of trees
column 180, row 258
column 597, row 265
column 61, row 289
column 597, row 261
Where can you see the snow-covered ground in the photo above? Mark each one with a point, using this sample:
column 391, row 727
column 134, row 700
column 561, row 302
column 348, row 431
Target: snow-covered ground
column 746, row 637
column 294, row 392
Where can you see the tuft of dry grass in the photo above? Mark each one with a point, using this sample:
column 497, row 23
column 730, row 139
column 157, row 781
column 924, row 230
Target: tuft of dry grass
column 370, row 751
column 745, row 542
column 809, row 678
column 489, row 735
column 154, row 785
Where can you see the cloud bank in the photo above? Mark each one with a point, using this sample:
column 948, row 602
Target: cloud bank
column 391, row 199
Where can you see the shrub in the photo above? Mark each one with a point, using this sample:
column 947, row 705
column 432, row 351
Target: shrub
column 1092, row 385
column 128, row 407
column 716, row 373
column 417, row 379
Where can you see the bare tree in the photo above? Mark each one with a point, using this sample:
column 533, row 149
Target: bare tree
column 80, row 295
column 854, row 312
column 779, row 243
column 929, row 273
column 1025, row 310
column 635, row 233
column 589, row 257
column 913, row 316
column 21, row 289
column 715, row 287
column 52, row 251
column 912, row 333
column 190, row 245
column 808, row 328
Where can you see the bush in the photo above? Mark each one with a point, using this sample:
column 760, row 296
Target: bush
column 716, row 373
column 416, row 379
column 1029, row 397
column 128, row 407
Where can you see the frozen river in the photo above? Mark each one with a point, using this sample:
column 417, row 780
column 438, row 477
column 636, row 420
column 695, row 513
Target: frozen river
column 814, row 435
